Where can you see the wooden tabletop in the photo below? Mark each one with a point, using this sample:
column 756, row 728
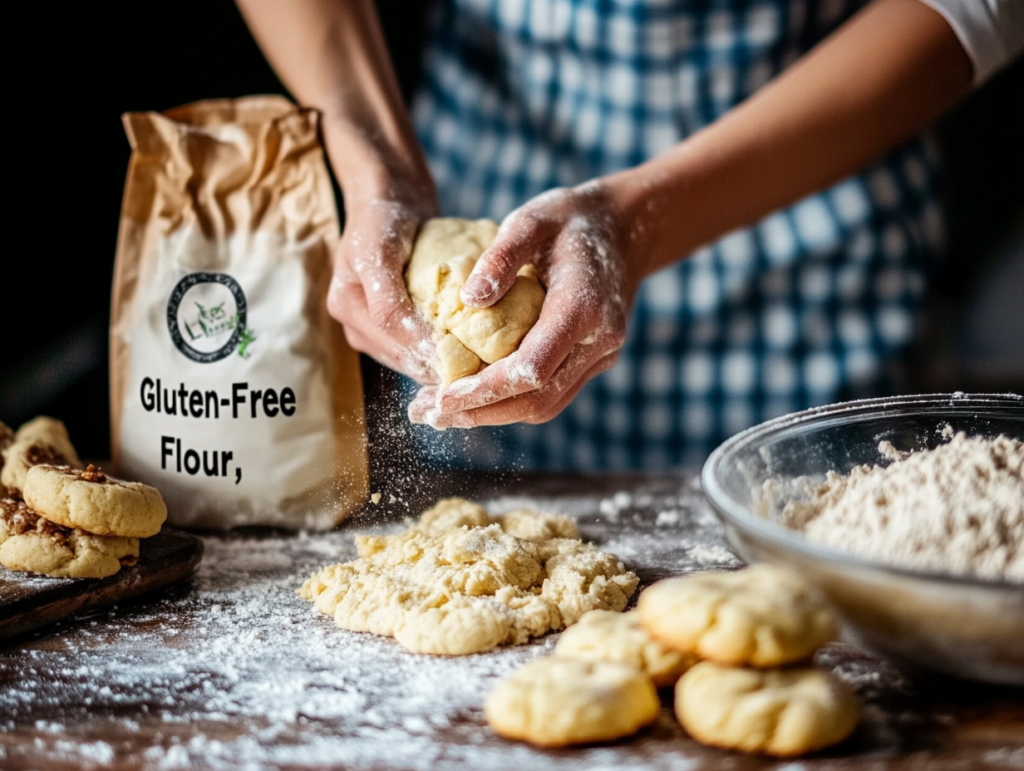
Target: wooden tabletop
column 233, row 670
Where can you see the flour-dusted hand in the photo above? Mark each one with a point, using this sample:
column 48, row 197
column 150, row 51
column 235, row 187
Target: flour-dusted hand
column 580, row 242
column 368, row 294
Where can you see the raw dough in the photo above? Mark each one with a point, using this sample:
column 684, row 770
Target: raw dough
column 602, row 635
column 457, row 583
column 41, row 440
column 528, row 524
column 31, row 543
column 443, row 256
column 778, row 712
column 553, row 702
column 94, row 502
column 761, row 616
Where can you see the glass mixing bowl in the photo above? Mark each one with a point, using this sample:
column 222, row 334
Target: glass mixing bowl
column 958, row 625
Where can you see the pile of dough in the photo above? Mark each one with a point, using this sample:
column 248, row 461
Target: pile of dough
column 748, row 626
column 460, row 581
column 62, row 521
column 467, row 339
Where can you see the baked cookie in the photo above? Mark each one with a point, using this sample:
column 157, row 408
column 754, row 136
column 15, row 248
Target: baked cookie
column 94, row 502
column 553, row 702
column 41, row 440
column 602, row 635
column 6, row 438
column 782, row 712
column 760, row 616
column 443, row 256
column 31, row 543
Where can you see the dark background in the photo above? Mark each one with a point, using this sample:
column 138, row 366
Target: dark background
column 80, row 66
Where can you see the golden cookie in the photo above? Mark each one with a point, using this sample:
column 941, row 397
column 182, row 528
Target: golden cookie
column 41, row 440
column 782, row 712
column 553, row 702
column 94, row 502
column 761, row 616
column 602, row 635
column 31, row 543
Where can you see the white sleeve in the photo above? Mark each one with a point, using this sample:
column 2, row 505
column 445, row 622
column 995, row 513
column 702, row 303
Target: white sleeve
column 991, row 31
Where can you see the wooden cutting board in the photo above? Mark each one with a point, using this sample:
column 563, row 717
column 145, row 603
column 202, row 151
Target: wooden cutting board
column 29, row 601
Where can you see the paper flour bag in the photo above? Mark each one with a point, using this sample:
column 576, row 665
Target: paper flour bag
column 232, row 390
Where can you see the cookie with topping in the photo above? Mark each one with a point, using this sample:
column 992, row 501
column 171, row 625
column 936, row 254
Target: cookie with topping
column 6, row 438
column 31, row 543
column 41, row 440
column 92, row 501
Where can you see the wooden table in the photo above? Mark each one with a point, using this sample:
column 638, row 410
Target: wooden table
column 232, row 670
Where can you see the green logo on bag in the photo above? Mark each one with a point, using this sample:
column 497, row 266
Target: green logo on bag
column 206, row 316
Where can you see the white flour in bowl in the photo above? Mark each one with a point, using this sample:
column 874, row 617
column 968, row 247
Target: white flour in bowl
column 957, row 508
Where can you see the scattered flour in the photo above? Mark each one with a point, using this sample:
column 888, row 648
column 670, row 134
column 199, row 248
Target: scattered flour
column 958, row 508
column 234, row 671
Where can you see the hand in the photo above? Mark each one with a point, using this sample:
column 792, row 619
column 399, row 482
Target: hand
column 579, row 242
column 367, row 293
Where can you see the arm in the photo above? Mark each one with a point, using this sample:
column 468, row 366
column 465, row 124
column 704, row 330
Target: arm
column 890, row 71
column 880, row 78
column 331, row 55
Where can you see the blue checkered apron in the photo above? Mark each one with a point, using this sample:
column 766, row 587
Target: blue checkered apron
column 812, row 304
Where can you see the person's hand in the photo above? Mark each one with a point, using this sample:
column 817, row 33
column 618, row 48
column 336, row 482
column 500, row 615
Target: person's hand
column 583, row 248
column 367, row 293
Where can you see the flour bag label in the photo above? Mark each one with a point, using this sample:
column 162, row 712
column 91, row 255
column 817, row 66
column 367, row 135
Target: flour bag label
column 232, row 390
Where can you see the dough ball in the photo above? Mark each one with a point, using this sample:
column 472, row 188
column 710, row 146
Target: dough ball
column 603, row 635
column 443, row 256
column 782, row 712
column 553, row 702
column 761, row 616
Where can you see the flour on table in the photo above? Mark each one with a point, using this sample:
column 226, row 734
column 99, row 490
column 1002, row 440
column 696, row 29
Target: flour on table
column 957, row 508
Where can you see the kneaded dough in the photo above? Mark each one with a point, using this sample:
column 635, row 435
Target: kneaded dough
column 456, row 582
column 443, row 256
column 553, row 702
column 31, row 543
column 760, row 616
column 601, row 635
column 92, row 501
column 782, row 712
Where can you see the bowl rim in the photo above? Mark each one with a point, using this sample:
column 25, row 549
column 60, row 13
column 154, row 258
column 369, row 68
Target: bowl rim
column 731, row 513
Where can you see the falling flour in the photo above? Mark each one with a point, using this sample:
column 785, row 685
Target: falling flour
column 957, row 508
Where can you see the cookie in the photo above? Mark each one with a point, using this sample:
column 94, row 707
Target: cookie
column 41, row 440
column 602, row 635
column 761, row 616
column 6, row 438
column 554, row 702
column 94, row 502
column 31, row 543
column 783, row 712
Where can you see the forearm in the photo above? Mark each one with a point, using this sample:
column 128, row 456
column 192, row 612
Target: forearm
column 331, row 55
column 879, row 79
